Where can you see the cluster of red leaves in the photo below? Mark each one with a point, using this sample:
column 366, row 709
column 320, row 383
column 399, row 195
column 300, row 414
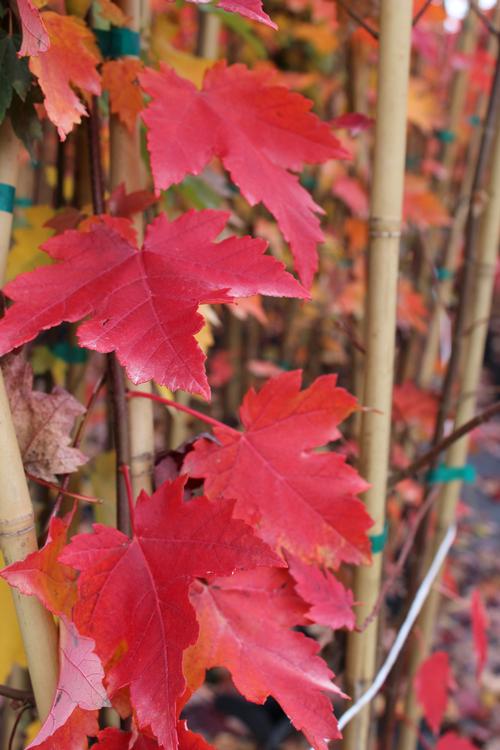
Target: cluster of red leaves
column 143, row 618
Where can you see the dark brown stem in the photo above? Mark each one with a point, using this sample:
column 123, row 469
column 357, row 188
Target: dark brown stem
column 403, row 556
column 16, row 724
column 430, row 456
column 122, row 445
column 484, row 19
column 423, row 9
column 359, row 20
column 115, row 373
column 14, row 694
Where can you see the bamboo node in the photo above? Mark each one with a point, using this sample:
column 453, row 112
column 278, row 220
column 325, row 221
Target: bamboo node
column 18, row 526
column 385, row 227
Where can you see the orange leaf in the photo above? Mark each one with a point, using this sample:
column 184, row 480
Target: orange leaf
column 119, row 77
column 69, row 61
column 112, row 13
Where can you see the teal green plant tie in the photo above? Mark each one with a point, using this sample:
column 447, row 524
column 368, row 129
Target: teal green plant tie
column 443, row 274
column 7, row 194
column 443, row 474
column 378, row 540
column 23, row 202
column 118, row 42
column 69, row 353
column 446, row 136
column 475, row 120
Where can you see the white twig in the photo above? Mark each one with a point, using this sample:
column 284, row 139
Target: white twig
column 404, row 632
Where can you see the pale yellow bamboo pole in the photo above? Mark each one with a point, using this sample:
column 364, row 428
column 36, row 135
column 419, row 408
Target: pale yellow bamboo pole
column 445, row 288
column 17, row 521
column 380, row 328
column 207, row 44
column 126, row 166
column 456, row 456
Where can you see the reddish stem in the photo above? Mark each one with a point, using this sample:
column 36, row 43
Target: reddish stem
column 180, row 407
column 61, row 491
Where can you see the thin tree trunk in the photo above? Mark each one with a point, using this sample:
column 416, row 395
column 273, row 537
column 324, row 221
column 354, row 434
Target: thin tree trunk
column 126, row 167
column 380, row 327
column 456, row 456
column 17, row 521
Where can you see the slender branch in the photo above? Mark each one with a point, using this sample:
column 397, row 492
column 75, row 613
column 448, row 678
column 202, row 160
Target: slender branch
column 62, row 490
column 420, row 13
column 180, row 407
column 122, row 445
column 14, row 694
column 16, row 724
column 344, row 4
column 484, row 19
column 428, row 458
column 125, row 471
column 115, row 372
column 403, row 556
column 78, row 438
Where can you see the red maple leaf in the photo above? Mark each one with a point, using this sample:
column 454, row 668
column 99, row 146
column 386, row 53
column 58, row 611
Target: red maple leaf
column 330, row 602
column 431, row 686
column 246, row 626
column 79, row 686
column 134, row 593
column 74, row 733
column 479, row 626
column 42, row 575
column 35, row 37
column 453, row 741
column 260, row 131
column 143, row 304
column 70, row 61
column 297, row 499
column 115, row 739
column 249, row 8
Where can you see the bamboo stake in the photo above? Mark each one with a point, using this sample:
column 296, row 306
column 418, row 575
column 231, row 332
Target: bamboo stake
column 17, row 522
column 380, row 326
column 456, row 456
column 207, row 44
column 445, row 289
column 126, row 166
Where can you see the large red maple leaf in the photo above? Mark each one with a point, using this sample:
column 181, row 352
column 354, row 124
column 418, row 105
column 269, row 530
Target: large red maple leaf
column 133, row 593
column 297, row 499
column 260, row 131
column 143, row 304
column 246, row 626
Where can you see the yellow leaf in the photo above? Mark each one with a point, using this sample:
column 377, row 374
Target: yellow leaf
column 204, row 337
column 43, row 360
column 186, row 65
column 25, row 255
column 11, row 644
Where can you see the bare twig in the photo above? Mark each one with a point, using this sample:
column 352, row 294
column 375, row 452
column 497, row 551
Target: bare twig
column 420, row 13
column 428, row 458
column 359, row 20
column 403, row 556
column 14, row 694
column 16, row 724
column 62, row 490
column 484, row 19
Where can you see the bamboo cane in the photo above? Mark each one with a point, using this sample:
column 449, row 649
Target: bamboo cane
column 380, row 326
column 126, row 167
column 456, row 456
column 445, row 289
column 17, row 523
column 207, row 44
